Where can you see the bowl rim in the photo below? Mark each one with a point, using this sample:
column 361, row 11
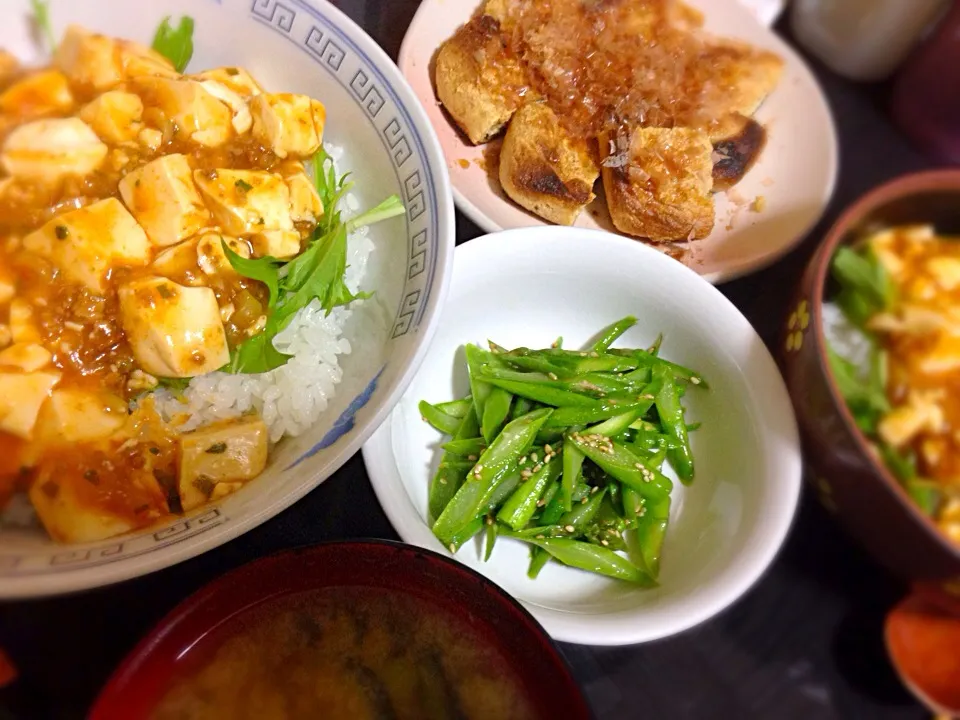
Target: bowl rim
column 71, row 580
column 896, row 188
column 123, row 678
column 618, row 627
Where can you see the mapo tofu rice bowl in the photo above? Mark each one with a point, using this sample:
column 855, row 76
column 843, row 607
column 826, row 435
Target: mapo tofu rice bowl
column 188, row 277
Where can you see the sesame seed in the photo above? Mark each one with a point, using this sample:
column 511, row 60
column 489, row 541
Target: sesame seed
column 583, row 354
column 594, row 489
column 534, row 457
column 583, row 501
column 541, row 503
column 552, row 376
column 443, row 481
column 648, row 396
column 478, row 469
column 548, row 449
column 538, row 467
column 604, row 543
column 472, row 457
column 525, row 474
column 570, row 528
column 540, row 537
column 594, row 354
column 489, row 520
column 639, row 467
column 453, row 548
column 523, row 459
column 695, row 380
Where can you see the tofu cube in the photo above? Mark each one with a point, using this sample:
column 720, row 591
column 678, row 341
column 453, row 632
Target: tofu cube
column 75, row 416
column 77, row 507
column 545, row 170
column 150, row 139
column 213, row 260
column 197, row 114
column 288, row 124
column 478, row 82
column 174, row 330
column 99, row 62
column 114, row 116
column 8, row 284
column 27, row 357
column 21, row 396
column 946, row 271
column 89, row 59
column 658, row 182
column 47, row 150
column 38, row 94
column 192, row 261
column 237, row 79
column 23, row 325
column 87, row 242
column 244, row 202
column 162, row 197
column 141, row 61
column 281, row 244
column 242, row 119
column 305, row 203
column 227, row 451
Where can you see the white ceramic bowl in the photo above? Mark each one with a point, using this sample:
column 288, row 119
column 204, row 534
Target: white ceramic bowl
column 291, row 46
column 524, row 288
column 794, row 174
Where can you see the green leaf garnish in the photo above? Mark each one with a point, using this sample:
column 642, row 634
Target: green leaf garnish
column 264, row 269
column 175, row 44
column 391, row 207
column 258, row 355
column 866, row 287
column 315, row 274
column 41, row 14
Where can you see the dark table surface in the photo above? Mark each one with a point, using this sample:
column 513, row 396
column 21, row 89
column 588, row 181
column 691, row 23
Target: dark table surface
column 804, row 643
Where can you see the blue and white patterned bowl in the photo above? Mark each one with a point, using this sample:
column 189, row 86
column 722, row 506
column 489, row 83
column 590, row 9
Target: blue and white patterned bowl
column 305, row 46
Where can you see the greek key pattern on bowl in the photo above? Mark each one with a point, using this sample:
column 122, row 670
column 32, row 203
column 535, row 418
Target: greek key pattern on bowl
column 275, row 13
column 111, row 550
column 325, row 49
column 408, row 309
column 367, row 93
column 353, row 70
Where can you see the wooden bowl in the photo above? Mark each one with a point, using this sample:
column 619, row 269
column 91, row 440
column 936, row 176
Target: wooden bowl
column 850, row 481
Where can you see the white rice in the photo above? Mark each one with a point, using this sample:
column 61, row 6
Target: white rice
column 291, row 398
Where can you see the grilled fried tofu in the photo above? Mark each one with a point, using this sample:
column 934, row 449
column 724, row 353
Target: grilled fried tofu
column 658, row 182
column 545, row 170
column 735, row 78
column 479, row 83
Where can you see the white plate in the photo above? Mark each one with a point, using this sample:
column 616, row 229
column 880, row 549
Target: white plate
column 795, row 174
column 524, row 288
column 291, row 46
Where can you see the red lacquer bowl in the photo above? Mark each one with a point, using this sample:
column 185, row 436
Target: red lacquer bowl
column 849, row 479
column 146, row 674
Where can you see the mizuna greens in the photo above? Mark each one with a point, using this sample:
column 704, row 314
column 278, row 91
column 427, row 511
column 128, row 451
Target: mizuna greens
column 316, row 273
column 564, row 450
